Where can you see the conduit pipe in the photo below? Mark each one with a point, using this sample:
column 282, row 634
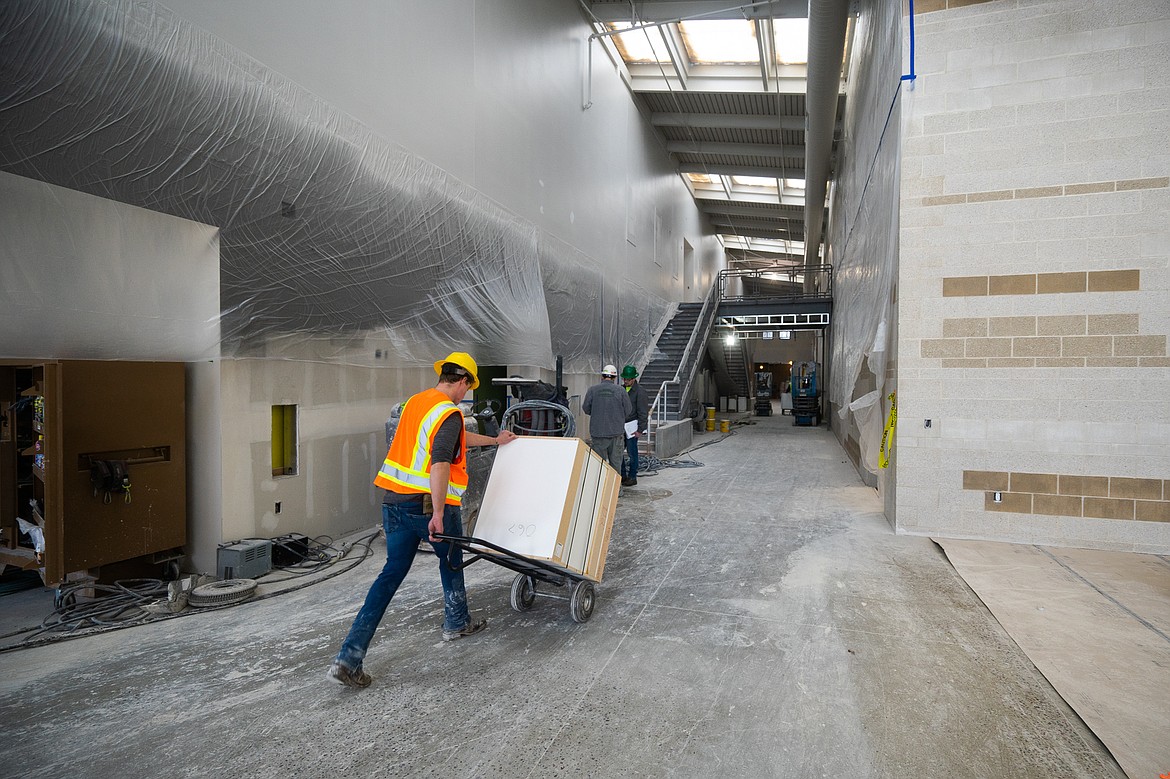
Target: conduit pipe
column 826, row 49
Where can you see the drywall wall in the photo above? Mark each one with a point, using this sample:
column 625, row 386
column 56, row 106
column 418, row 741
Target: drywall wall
column 88, row 278
column 1033, row 279
column 342, row 412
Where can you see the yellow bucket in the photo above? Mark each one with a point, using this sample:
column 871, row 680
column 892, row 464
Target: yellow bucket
column 724, row 425
column 710, row 425
column 711, row 412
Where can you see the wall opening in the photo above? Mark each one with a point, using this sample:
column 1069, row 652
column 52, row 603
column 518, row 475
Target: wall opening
column 284, row 440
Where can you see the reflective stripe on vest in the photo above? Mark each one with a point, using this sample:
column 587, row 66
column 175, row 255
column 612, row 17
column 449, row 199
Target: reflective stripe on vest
column 411, row 472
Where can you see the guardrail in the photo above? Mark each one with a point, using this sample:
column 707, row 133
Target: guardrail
column 779, row 281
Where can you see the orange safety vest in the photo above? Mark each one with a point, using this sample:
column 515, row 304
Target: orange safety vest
column 407, row 469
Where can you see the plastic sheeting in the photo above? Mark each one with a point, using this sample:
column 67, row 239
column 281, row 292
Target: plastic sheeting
column 863, row 236
column 335, row 244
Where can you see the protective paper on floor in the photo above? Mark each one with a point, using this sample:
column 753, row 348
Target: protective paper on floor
column 1097, row 625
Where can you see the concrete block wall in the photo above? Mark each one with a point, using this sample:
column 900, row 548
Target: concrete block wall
column 1034, row 275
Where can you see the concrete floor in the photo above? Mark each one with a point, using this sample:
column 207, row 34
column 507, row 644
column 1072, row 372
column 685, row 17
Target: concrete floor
column 757, row 618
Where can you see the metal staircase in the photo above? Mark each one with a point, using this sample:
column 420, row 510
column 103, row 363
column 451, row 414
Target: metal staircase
column 668, row 354
column 735, row 360
column 751, row 304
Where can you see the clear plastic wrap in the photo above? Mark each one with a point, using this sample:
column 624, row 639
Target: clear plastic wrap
column 335, row 244
column 864, row 232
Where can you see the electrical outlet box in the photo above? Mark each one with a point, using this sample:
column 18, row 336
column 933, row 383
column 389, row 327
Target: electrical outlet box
column 244, row 559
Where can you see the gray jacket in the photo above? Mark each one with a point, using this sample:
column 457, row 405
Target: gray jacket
column 641, row 405
column 608, row 407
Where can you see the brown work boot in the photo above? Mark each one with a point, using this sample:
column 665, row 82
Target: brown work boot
column 349, row 677
column 472, row 627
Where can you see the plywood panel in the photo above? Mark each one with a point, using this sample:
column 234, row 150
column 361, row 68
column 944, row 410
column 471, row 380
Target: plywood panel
column 120, row 410
column 607, row 507
column 583, row 516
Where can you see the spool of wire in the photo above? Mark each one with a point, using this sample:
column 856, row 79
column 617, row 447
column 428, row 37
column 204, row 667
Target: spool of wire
column 539, row 417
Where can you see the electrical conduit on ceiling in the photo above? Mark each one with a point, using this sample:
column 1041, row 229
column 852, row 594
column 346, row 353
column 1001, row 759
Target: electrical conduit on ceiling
column 826, row 50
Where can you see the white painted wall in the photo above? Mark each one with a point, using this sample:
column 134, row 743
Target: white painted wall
column 87, row 278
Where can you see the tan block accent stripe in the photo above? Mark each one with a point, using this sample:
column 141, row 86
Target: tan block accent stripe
column 1114, row 280
column 1057, row 505
column 1110, row 324
column 1047, row 342
column 1014, row 502
column 965, row 286
column 1009, row 325
column 988, row 480
column 1093, row 486
column 1066, row 495
column 1069, row 325
column 1056, row 190
column 1048, row 283
column 1128, row 280
column 929, row 6
column 1023, row 284
column 965, row 328
column 1034, row 482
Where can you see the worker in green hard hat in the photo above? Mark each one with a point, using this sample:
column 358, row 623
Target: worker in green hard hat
column 640, row 414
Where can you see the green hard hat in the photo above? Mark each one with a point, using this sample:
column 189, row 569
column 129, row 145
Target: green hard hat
column 629, row 372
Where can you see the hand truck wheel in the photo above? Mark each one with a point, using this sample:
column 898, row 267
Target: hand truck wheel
column 523, row 592
column 581, row 601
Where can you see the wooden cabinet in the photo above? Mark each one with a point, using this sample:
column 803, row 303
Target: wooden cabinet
column 57, row 418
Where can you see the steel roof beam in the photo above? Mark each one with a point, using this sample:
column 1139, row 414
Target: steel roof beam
column 734, row 170
column 728, row 121
column 737, row 149
column 777, row 212
column 754, row 232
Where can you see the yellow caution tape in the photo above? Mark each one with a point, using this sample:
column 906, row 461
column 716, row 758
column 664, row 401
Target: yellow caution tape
column 888, row 435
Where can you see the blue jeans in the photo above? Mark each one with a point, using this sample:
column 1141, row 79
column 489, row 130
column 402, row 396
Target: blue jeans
column 630, row 465
column 405, row 525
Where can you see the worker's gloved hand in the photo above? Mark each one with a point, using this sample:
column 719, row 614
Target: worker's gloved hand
column 505, row 436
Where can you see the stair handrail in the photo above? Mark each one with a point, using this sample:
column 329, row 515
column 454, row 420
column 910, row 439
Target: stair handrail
column 702, row 325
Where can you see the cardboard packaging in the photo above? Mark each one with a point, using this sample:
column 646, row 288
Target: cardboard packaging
column 551, row 499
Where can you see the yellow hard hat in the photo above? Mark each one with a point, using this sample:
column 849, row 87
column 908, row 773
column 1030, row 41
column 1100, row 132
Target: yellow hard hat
column 464, row 361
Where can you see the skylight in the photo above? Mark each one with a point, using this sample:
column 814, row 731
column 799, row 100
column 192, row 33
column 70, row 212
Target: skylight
column 641, row 45
column 720, row 41
column 791, row 37
column 754, row 181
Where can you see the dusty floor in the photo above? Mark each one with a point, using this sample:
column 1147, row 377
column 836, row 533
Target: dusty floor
column 757, row 618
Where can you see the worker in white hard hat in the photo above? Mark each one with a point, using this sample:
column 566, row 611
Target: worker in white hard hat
column 425, row 476
column 608, row 407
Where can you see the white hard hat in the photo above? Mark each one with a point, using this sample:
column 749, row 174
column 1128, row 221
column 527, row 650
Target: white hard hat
column 609, row 370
